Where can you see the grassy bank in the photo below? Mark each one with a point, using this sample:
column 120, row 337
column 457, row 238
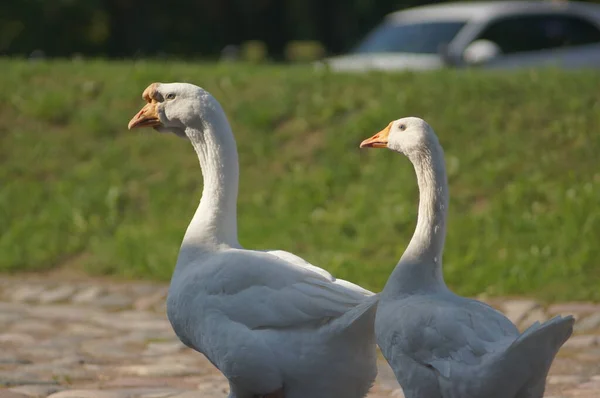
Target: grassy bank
column 78, row 190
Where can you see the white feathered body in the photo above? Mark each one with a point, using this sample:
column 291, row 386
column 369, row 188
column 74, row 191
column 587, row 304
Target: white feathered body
column 270, row 319
column 441, row 345
column 445, row 346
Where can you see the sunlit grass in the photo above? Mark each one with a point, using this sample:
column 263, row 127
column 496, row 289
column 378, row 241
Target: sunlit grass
column 78, row 189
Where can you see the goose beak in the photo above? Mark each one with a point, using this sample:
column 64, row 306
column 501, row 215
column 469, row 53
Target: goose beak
column 146, row 117
column 379, row 140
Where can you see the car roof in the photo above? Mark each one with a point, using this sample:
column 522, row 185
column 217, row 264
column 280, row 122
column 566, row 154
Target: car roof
column 483, row 10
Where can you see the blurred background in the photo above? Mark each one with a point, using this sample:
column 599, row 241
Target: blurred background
column 279, row 30
column 188, row 29
column 510, row 87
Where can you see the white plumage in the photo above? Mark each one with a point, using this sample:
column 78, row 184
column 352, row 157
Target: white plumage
column 275, row 325
column 441, row 345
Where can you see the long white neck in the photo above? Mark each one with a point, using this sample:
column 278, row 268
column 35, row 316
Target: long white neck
column 214, row 224
column 420, row 268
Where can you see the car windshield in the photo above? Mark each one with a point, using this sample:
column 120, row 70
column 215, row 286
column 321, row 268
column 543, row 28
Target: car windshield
column 419, row 38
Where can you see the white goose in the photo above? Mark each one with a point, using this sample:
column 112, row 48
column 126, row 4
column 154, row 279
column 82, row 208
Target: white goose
column 441, row 345
column 273, row 324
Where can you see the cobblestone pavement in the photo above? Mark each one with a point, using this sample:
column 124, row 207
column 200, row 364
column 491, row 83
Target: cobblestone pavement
column 106, row 339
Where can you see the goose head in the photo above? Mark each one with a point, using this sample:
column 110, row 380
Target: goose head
column 409, row 136
column 172, row 107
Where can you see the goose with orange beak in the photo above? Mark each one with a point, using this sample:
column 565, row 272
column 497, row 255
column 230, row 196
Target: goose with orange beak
column 379, row 140
column 273, row 324
column 441, row 345
column 148, row 115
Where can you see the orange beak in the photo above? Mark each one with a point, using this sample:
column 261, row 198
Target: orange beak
column 379, row 140
column 148, row 115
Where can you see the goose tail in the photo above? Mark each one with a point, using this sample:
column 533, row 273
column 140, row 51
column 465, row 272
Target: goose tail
column 360, row 318
column 527, row 360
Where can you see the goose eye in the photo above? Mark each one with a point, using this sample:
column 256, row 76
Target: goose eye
column 170, row 96
column 402, row 127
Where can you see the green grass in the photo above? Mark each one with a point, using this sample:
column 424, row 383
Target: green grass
column 77, row 189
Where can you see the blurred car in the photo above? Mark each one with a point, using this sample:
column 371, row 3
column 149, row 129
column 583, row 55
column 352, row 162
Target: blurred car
column 496, row 34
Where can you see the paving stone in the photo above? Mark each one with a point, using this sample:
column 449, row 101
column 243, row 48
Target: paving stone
column 84, row 329
column 149, row 290
column 573, row 308
column 118, row 393
column 27, row 293
column 215, row 377
column 37, row 391
column 147, row 302
column 397, row 394
column 195, row 394
column 517, row 310
column 140, row 381
column 7, row 318
column 589, row 356
column 164, row 348
column 60, row 293
column 106, row 349
column 136, row 315
column 75, row 360
column 114, row 301
column 161, row 308
column 11, row 394
column 581, row 341
column 213, row 386
column 110, row 321
column 13, row 307
column 190, row 358
column 151, row 392
column 61, row 312
column 9, row 378
column 377, row 391
column 582, row 393
column 60, row 373
column 146, row 325
column 16, row 339
column 60, row 341
column 590, row 385
column 533, row 316
column 565, row 379
column 588, row 323
column 90, row 394
column 33, row 326
column 207, row 392
column 87, row 294
column 8, row 360
column 162, row 369
column 164, row 334
column 105, row 340
column 46, row 352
